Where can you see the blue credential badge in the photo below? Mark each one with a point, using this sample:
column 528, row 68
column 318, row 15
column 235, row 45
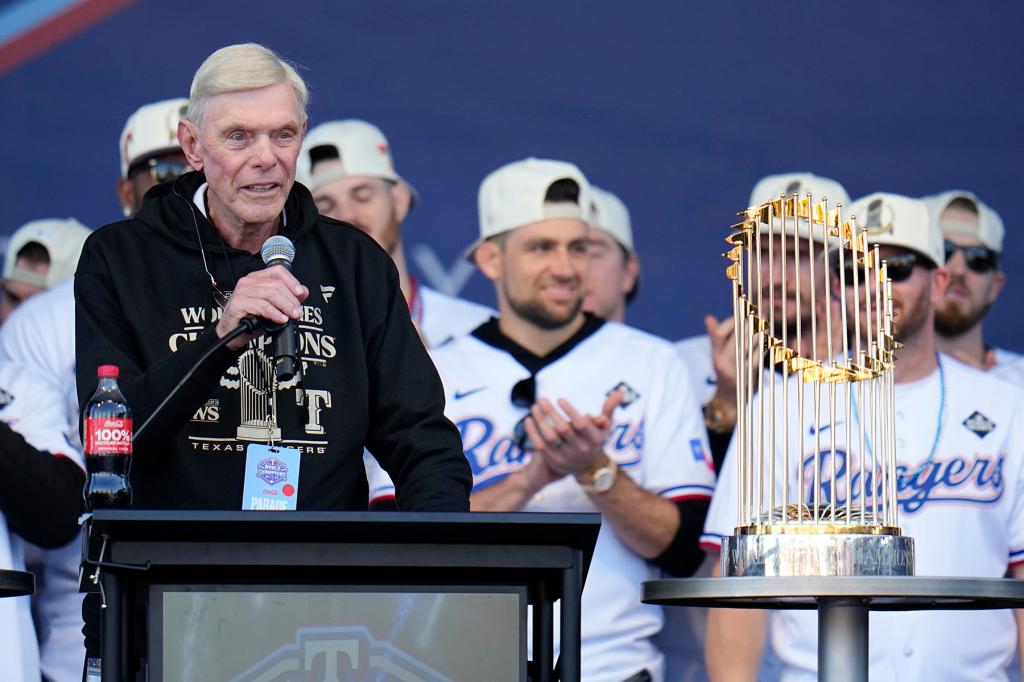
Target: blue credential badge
column 271, row 478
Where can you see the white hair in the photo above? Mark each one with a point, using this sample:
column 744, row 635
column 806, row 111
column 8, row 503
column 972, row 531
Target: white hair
column 246, row 66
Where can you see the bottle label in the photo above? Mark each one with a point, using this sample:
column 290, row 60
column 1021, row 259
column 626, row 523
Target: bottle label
column 108, row 436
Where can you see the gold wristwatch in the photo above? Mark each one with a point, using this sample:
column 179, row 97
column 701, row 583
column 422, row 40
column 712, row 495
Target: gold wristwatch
column 716, row 419
column 603, row 479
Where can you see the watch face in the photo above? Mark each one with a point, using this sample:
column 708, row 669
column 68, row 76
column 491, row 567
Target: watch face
column 603, row 480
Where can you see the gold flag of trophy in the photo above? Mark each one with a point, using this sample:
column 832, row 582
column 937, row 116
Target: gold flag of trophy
column 818, row 501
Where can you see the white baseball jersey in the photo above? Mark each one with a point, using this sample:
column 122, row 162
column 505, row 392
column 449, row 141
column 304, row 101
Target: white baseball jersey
column 658, row 439
column 442, row 317
column 1006, row 357
column 40, row 334
column 32, row 406
column 57, row 610
column 696, row 354
column 960, row 452
column 1011, row 371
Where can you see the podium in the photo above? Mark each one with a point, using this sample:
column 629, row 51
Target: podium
column 259, row 596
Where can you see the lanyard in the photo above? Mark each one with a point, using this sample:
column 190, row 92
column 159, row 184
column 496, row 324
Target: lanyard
column 941, row 419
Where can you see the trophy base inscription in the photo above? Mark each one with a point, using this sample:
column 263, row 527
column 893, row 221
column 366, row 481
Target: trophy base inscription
column 817, row 554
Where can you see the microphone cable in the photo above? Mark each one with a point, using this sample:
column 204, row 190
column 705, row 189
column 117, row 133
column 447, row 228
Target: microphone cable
column 246, row 326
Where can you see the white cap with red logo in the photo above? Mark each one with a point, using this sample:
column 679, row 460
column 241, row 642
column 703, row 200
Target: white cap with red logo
column 152, row 130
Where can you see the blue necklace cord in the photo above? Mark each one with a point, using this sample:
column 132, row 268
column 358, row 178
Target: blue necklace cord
column 941, row 419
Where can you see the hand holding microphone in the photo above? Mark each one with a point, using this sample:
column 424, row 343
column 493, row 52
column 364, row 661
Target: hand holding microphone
column 272, row 294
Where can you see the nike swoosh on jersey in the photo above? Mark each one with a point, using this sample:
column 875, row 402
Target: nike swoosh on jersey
column 459, row 395
column 823, row 428
column 710, row 381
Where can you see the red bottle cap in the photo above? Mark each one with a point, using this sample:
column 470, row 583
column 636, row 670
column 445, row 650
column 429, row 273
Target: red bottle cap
column 107, row 372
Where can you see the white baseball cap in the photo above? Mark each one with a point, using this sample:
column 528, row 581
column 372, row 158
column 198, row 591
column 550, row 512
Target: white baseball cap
column 63, row 240
column 771, row 186
column 513, row 196
column 152, row 130
column 612, row 216
column 892, row 219
column 989, row 228
column 357, row 149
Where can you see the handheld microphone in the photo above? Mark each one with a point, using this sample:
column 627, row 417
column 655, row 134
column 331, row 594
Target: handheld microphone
column 278, row 250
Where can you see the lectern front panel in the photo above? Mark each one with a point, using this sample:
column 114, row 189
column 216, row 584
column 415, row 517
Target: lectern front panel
column 274, row 633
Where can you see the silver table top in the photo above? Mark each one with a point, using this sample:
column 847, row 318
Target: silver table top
column 878, row 593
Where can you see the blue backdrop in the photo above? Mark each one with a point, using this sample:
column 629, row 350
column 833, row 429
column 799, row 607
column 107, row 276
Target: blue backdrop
column 677, row 107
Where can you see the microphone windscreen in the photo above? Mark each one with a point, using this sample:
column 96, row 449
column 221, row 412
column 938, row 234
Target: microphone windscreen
column 278, row 250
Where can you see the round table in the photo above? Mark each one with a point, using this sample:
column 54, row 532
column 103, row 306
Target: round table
column 843, row 604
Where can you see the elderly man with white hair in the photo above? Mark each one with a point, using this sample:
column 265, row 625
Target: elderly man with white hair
column 156, row 293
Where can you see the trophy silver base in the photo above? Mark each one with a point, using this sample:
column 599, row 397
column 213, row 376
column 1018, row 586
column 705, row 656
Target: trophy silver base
column 817, row 554
column 258, row 432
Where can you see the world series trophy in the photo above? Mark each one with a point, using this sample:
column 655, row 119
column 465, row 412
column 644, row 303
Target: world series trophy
column 817, row 524
column 836, row 375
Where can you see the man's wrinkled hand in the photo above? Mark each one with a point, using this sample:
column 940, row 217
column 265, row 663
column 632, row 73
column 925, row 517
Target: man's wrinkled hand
column 272, row 294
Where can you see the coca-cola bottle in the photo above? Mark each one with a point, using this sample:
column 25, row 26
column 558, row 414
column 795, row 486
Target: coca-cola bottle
column 107, row 436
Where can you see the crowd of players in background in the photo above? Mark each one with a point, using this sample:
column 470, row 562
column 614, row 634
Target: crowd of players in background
column 562, row 257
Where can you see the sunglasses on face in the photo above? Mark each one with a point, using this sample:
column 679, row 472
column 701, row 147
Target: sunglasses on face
column 980, row 259
column 162, row 170
column 900, row 267
column 524, row 394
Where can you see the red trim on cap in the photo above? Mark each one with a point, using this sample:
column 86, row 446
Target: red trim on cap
column 55, row 30
column 710, row 547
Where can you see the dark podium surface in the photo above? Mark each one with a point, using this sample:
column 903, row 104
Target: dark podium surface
column 544, row 556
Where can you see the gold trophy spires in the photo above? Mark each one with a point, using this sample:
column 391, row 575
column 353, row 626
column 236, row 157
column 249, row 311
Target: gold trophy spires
column 818, row 500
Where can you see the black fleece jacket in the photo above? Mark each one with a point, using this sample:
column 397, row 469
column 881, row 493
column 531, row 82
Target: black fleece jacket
column 145, row 303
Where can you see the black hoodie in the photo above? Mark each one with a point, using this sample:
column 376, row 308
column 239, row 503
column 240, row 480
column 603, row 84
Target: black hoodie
column 145, row 303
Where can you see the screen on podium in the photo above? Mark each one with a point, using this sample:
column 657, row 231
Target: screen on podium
column 247, row 633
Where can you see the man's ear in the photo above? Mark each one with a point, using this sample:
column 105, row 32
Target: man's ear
column 997, row 285
column 940, row 280
column 126, row 195
column 188, row 138
column 401, row 194
column 488, row 258
column 632, row 273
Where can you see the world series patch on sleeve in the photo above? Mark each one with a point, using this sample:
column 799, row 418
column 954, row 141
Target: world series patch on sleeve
column 271, row 478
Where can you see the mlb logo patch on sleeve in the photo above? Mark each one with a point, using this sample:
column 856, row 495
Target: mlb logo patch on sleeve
column 979, row 424
column 700, row 454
